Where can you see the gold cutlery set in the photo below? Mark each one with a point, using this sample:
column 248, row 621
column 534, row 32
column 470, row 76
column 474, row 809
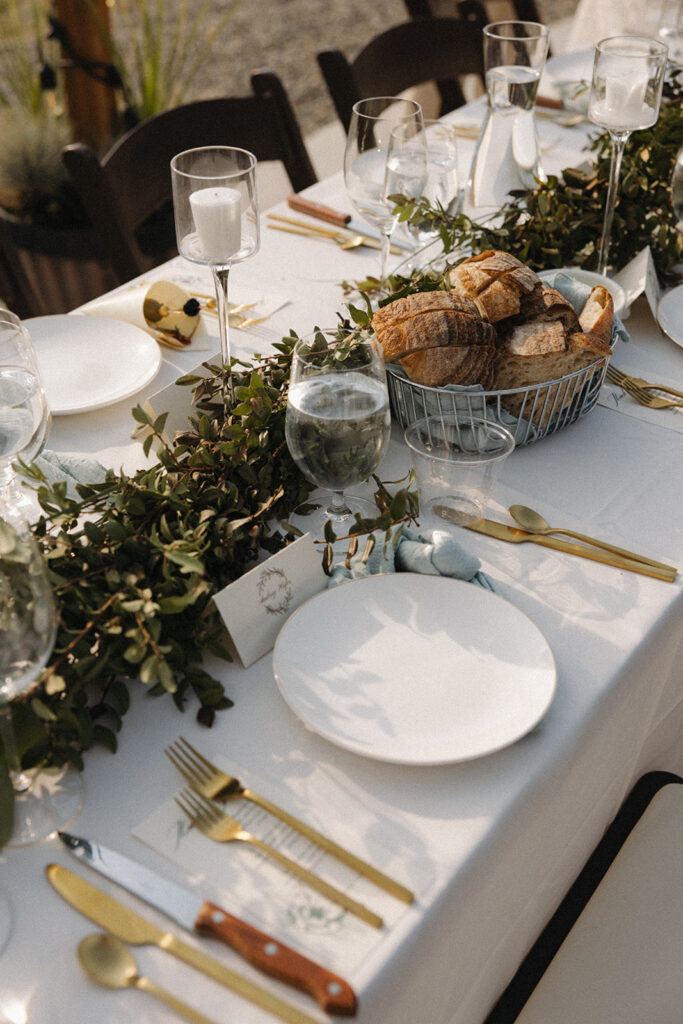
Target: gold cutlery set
column 109, row 962
column 344, row 239
column 532, row 528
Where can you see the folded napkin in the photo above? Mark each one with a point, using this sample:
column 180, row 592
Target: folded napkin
column 434, row 553
column 73, row 469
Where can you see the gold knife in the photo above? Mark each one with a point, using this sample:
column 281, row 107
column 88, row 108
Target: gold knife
column 312, row 229
column 501, row 531
column 125, row 924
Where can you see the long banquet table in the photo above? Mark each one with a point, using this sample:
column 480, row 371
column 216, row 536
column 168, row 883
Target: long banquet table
column 488, row 845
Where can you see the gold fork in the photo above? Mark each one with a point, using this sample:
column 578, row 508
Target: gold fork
column 643, row 397
column 212, row 783
column 220, row 827
column 617, row 376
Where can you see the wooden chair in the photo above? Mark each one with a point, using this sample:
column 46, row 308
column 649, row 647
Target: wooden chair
column 490, row 10
column 132, row 182
column 407, row 55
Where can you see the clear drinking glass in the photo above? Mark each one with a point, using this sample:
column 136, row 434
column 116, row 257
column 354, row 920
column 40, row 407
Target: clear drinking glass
column 338, row 422
column 506, row 156
column 24, row 412
column 367, row 177
column 626, row 90
column 44, row 800
column 216, row 220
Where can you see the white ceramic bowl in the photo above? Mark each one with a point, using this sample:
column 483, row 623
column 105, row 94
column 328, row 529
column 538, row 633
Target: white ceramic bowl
column 590, row 278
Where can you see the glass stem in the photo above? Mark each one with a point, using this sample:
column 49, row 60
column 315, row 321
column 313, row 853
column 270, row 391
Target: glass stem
column 618, row 143
column 337, row 507
column 220, row 280
column 20, row 780
column 386, row 249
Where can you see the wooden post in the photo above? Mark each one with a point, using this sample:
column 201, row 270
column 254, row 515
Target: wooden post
column 91, row 106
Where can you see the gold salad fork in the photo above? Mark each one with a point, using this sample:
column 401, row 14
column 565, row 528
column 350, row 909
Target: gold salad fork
column 220, row 827
column 618, row 377
column 210, row 782
column 640, row 395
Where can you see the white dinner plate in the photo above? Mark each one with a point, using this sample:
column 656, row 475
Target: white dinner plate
column 414, row 669
column 670, row 314
column 87, row 362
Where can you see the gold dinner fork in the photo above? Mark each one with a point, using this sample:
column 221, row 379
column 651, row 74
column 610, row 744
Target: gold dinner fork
column 642, row 396
column 220, row 827
column 212, row 783
column 618, row 376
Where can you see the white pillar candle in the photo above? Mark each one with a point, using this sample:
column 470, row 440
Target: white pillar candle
column 217, row 218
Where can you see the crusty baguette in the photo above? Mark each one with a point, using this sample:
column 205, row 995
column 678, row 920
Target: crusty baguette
column 597, row 315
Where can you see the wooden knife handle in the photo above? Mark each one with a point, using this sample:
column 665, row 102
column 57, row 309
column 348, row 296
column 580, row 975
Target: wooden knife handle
column 550, row 102
column 332, row 993
column 318, row 210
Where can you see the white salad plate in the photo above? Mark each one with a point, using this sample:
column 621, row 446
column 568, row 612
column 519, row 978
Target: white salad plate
column 670, row 314
column 414, row 669
column 88, row 362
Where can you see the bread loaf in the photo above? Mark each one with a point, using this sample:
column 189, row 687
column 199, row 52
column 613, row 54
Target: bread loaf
column 429, row 320
column 454, row 364
column 497, row 280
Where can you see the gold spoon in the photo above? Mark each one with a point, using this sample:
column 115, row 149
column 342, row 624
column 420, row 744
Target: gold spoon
column 109, row 962
column 533, row 522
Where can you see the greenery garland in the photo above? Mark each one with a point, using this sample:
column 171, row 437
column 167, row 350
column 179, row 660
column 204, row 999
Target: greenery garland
column 136, row 559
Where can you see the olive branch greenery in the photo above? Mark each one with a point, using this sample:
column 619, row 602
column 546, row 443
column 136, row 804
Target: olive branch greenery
column 135, row 559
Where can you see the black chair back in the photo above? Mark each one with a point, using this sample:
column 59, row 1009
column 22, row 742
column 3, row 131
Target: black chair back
column 133, row 181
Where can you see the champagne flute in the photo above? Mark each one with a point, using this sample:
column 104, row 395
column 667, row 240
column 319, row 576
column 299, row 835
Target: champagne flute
column 338, row 422
column 626, row 90
column 217, row 223
column 506, row 156
column 365, row 160
column 24, row 411
column 46, row 800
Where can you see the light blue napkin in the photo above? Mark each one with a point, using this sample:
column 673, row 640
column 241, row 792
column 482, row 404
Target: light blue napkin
column 74, row 469
column 434, row 553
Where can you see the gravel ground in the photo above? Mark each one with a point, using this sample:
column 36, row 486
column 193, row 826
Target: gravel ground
column 286, row 35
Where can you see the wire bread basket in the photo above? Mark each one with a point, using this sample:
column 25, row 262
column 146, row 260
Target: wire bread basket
column 530, row 413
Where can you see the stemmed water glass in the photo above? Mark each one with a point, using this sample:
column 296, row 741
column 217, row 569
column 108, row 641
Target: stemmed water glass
column 626, row 90
column 368, row 178
column 506, row 155
column 216, row 220
column 24, row 411
column 338, row 423
column 441, row 183
column 45, row 800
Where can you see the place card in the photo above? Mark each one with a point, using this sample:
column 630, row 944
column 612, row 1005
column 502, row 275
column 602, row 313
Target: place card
column 255, row 607
column 176, row 401
column 640, row 276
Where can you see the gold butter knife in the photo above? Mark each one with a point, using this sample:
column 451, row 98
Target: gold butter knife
column 501, row 531
column 125, row 924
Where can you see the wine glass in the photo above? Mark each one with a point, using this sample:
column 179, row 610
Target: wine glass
column 24, row 411
column 47, row 799
column 216, row 220
column 442, row 183
column 626, row 90
column 506, row 156
column 338, row 422
column 369, row 182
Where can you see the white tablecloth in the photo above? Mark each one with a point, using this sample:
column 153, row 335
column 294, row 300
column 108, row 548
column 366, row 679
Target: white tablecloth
column 490, row 845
